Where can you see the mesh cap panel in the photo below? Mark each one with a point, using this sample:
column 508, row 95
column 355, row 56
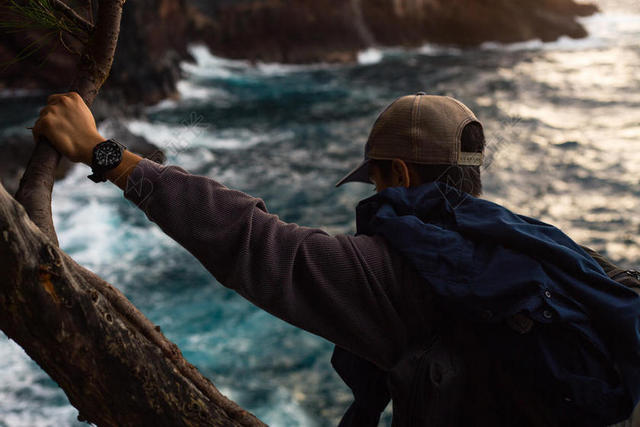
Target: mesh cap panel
column 419, row 129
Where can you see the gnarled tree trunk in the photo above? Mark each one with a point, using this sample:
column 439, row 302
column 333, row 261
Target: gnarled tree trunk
column 115, row 366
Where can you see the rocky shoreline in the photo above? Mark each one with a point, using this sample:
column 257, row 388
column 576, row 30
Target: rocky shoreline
column 335, row 30
column 155, row 36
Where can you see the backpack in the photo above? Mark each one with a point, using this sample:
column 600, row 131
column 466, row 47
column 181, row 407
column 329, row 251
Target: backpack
column 628, row 278
column 373, row 398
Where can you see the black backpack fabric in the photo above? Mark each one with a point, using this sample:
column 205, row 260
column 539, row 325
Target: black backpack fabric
column 370, row 384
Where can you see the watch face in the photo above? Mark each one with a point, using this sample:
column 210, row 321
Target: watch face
column 108, row 154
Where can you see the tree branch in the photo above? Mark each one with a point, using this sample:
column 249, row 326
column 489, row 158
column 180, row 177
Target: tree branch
column 37, row 181
column 71, row 14
column 115, row 366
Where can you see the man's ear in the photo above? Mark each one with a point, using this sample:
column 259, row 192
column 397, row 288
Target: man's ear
column 400, row 174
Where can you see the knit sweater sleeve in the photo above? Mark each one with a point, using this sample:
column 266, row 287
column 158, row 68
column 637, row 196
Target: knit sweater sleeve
column 338, row 287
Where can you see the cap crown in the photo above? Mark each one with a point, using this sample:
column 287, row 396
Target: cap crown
column 422, row 129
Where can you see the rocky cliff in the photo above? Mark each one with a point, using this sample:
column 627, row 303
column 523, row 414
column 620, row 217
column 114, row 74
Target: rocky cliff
column 153, row 40
column 334, row 30
column 155, row 35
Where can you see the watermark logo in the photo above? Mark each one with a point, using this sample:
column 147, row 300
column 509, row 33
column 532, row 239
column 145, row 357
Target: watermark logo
column 191, row 128
column 455, row 177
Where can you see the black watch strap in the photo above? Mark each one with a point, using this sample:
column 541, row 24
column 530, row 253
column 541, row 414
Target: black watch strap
column 97, row 178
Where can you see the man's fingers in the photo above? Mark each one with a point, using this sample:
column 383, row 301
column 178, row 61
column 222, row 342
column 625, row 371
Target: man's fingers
column 46, row 110
column 63, row 98
column 74, row 96
column 41, row 128
column 35, row 130
column 55, row 98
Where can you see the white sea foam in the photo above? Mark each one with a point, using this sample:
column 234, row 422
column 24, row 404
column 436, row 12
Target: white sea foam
column 208, row 65
column 284, row 410
column 20, row 93
column 171, row 138
column 370, row 56
column 211, row 66
column 434, row 49
column 275, row 68
column 165, row 104
column 21, row 383
column 191, row 90
column 87, row 221
column 189, row 145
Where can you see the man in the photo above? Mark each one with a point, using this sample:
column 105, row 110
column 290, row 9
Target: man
column 460, row 311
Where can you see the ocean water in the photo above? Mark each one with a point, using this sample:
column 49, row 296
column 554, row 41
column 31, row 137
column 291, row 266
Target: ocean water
column 563, row 125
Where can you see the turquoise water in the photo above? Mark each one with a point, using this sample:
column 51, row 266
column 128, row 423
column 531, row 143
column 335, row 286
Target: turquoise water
column 563, row 124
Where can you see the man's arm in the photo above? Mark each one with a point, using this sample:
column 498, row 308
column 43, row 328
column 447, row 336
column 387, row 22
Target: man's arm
column 336, row 287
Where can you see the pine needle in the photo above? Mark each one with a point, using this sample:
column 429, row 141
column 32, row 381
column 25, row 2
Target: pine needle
column 37, row 15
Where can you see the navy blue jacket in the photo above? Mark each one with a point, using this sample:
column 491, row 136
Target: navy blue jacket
column 488, row 264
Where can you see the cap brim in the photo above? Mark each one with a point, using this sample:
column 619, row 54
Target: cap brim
column 359, row 174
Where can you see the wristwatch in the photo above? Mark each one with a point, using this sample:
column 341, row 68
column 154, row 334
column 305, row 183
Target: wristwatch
column 106, row 156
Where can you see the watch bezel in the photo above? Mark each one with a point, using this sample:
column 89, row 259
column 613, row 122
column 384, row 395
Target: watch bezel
column 99, row 170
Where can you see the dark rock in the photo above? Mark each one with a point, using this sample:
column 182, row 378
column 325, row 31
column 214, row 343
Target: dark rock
column 568, row 144
column 280, row 31
column 15, row 152
column 155, row 35
column 153, row 41
column 470, row 22
column 335, row 30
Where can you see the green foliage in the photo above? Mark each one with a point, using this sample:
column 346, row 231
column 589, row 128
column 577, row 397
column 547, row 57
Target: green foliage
column 35, row 15
column 39, row 16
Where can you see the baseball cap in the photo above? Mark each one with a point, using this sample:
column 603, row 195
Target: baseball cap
column 418, row 128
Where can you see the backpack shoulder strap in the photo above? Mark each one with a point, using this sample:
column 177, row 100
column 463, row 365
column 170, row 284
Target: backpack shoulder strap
column 628, row 278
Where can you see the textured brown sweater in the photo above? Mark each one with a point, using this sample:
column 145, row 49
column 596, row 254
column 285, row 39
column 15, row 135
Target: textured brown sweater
column 349, row 290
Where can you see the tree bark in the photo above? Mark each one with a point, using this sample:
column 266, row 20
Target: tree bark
column 115, row 366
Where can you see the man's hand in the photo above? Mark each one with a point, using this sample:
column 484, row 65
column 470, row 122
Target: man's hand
column 68, row 124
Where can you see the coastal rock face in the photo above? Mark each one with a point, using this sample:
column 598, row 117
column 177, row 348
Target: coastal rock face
column 15, row 152
column 282, row 31
column 155, row 35
column 153, row 40
column 334, row 30
column 471, row 22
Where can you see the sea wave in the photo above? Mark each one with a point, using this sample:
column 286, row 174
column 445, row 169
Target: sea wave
column 370, row 56
column 209, row 65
